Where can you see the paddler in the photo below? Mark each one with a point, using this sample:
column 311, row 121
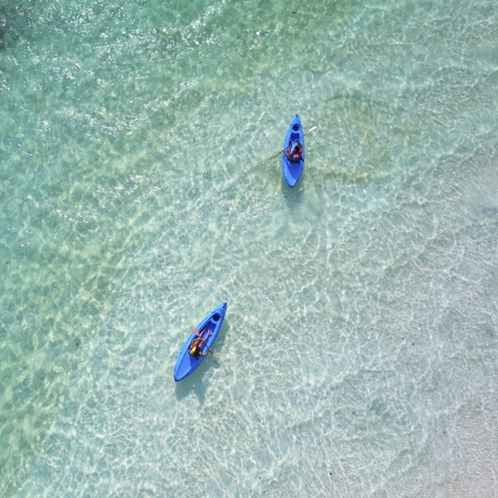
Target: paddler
column 294, row 151
column 198, row 343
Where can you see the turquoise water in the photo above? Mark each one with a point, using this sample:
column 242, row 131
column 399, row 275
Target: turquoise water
column 358, row 356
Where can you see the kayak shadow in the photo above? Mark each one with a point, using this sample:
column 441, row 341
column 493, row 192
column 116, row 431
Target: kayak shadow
column 293, row 196
column 198, row 382
column 192, row 384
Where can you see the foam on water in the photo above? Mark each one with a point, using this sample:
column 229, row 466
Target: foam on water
column 358, row 356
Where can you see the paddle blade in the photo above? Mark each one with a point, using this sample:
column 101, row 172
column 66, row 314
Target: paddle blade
column 275, row 155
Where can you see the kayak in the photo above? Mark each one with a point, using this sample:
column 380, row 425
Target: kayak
column 186, row 363
column 293, row 169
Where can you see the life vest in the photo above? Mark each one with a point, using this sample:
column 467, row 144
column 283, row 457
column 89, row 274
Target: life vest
column 296, row 155
column 195, row 351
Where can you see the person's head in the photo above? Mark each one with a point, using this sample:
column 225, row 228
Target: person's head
column 297, row 148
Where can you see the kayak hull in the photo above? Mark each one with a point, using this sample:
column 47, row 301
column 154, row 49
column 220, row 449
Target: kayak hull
column 293, row 170
column 185, row 362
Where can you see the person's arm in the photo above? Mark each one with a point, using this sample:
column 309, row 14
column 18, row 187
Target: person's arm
column 203, row 343
column 207, row 337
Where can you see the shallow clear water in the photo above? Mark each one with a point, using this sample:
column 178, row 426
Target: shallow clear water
column 358, row 355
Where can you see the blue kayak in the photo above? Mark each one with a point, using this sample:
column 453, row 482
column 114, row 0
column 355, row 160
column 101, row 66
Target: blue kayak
column 186, row 363
column 292, row 169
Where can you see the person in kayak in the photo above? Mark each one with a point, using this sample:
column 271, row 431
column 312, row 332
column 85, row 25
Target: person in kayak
column 295, row 151
column 198, row 343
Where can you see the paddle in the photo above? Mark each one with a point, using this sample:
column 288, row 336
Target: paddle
column 280, row 152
